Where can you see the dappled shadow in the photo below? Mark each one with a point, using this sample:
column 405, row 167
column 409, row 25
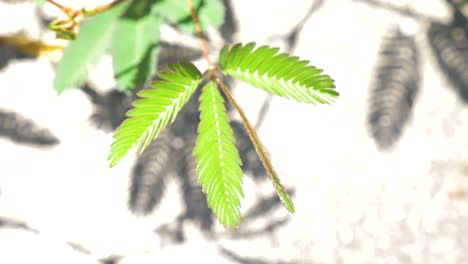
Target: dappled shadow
column 397, row 78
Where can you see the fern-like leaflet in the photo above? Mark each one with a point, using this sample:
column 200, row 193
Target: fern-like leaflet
column 279, row 74
column 155, row 109
column 218, row 160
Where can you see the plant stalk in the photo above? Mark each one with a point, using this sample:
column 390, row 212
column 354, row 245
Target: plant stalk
column 258, row 147
column 71, row 13
column 199, row 32
column 65, row 9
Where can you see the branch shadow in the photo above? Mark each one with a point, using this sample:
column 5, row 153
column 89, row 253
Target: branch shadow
column 231, row 25
column 9, row 53
column 292, row 36
column 251, row 260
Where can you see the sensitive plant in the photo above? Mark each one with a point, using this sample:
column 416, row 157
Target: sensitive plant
column 130, row 30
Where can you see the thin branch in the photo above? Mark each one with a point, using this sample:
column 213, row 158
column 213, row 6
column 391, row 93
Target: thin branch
column 199, row 32
column 65, row 9
column 102, row 8
column 70, row 12
column 258, row 145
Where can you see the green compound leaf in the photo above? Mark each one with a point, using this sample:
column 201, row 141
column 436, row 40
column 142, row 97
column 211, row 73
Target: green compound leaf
column 136, row 46
column 156, row 108
column 90, row 44
column 218, row 161
column 279, row 74
column 210, row 13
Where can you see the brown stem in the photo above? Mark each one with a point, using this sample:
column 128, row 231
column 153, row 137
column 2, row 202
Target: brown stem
column 102, row 8
column 65, row 9
column 199, row 32
column 259, row 148
column 72, row 12
column 250, row 130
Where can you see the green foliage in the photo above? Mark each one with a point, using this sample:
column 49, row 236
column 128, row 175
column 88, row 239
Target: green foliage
column 279, row 74
column 91, row 43
column 210, row 13
column 135, row 46
column 40, row 2
column 462, row 3
column 218, row 160
column 131, row 30
column 155, row 109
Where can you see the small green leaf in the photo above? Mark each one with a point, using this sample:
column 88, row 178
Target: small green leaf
column 90, row 44
column 210, row 13
column 218, row 161
column 175, row 10
column 279, row 74
column 156, row 108
column 135, row 46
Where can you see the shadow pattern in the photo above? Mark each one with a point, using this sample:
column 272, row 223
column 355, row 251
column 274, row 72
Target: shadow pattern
column 229, row 254
column 230, row 26
column 170, row 53
column 9, row 53
column 109, row 108
column 16, row 224
column 291, row 37
column 149, row 175
column 449, row 44
column 24, row 131
column 395, row 87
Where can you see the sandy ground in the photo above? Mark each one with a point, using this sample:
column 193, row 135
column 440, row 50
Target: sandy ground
column 355, row 203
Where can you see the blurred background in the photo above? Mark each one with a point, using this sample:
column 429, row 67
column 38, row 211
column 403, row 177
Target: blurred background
column 381, row 176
